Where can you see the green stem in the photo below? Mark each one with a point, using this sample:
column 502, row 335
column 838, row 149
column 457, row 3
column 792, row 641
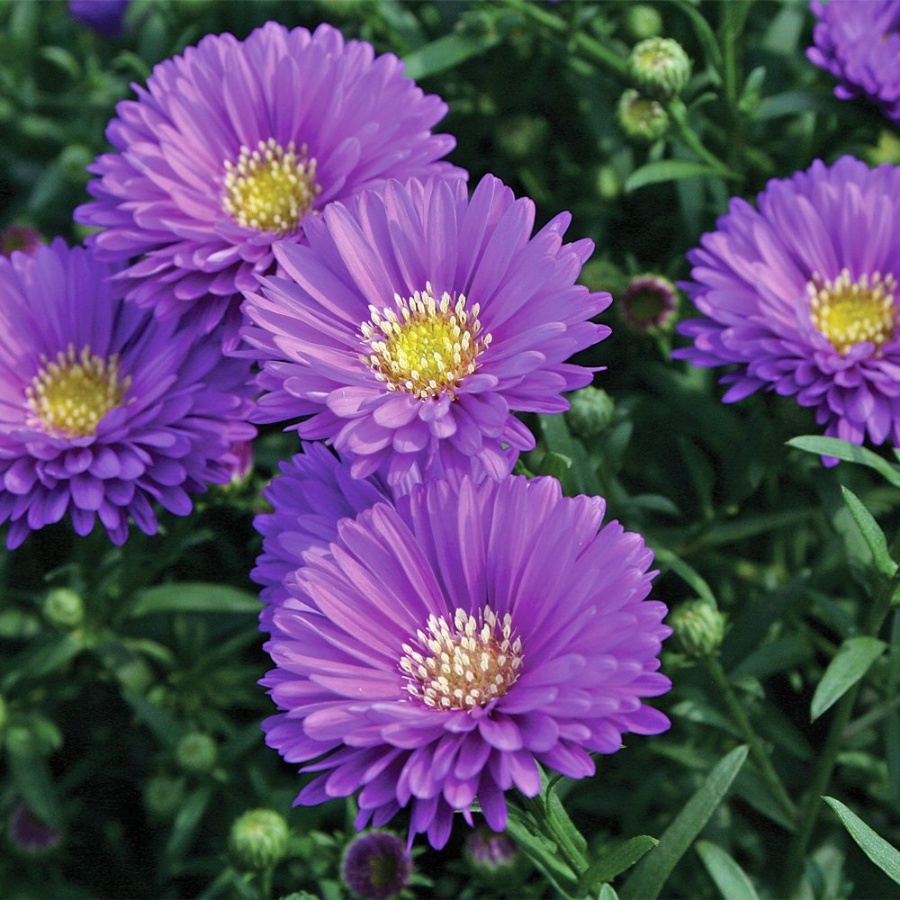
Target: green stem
column 878, row 612
column 757, row 751
column 678, row 115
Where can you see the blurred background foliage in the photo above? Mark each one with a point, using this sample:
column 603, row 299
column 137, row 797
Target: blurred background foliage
column 129, row 710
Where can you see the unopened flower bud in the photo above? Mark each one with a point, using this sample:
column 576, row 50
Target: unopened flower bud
column 591, row 411
column 660, row 66
column 642, row 21
column 196, row 752
column 493, row 856
column 63, row 608
column 259, row 839
column 642, row 118
column 20, row 237
column 29, row 834
column 163, row 795
column 521, row 136
column 649, row 303
column 376, row 865
column 699, row 627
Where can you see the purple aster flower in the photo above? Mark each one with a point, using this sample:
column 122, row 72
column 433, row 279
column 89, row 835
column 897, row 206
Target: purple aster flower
column 416, row 320
column 29, row 834
column 235, row 145
column 104, row 16
column 313, row 493
column 376, row 865
column 859, row 43
column 451, row 644
column 801, row 297
column 103, row 410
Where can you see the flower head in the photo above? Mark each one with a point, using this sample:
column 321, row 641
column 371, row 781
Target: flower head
column 313, row 493
column 236, row 145
column 259, row 839
column 29, row 834
column 649, row 303
column 104, row 16
column 859, row 43
column 801, row 297
column 452, row 643
column 417, row 320
column 103, row 410
column 376, row 865
column 660, row 66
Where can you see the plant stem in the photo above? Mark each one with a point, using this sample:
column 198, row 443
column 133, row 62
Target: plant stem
column 757, row 751
column 878, row 611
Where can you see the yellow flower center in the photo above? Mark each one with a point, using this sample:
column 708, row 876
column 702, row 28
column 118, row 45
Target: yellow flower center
column 464, row 664
column 849, row 312
column 71, row 394
column 424, row 347
column 270, row 188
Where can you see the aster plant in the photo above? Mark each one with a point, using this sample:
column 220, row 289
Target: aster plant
column 104, row 411
column 416, row 321
column 799, row 296
column 235, row 145
column 448, row 647
column 859, row 44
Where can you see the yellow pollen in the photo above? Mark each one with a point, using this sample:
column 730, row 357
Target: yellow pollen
column 270, row 188
column 464, row 664
column 71, row 394
column 424, row 347
column 849, row 312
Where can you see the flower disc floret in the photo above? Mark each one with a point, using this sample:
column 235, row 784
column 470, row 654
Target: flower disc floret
column 849, row 312
column 800, row 296
column 424, row 347
column 71, row 394
column 235, row 145
column 449, row 644
column 270, row 188
column 431, row 385
column 105, row 411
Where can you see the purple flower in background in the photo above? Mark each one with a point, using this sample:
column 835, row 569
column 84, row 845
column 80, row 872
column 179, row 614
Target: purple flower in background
column 859, row 43
column 801, row 297
column 447, row 646
column 103, row 410
column 29, row 834
column 20, row 237
column 313, row 493
column 416, row 320
column 104, row 16
column 376, row 865
column 234, row 146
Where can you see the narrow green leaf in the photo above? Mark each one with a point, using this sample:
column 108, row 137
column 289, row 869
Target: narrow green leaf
column 555, row 464
column 668, row 560
column 31, row 777
column 194, row 596
column 879, row 851
column 184, row 828
column 163, row 726
column 615, row 862
column 607, row 893
column 651, row 873
column 542, row 852
column 731, row 880
column 852, row 661
column 871, row 532
column 829, row 446
column 666, row 170
column 447, row 52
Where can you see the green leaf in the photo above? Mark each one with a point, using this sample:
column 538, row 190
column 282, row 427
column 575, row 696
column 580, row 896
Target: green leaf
column 879, row 851
column 554, row 464
column 541, row 851
column 184, row 828
column 623, row 857
column 852, row 661
column 666, row 170
column 828, row 446
column 31, row 776
column 449, row 51
column 607, row 893
column 871, row 532
column 651, row 873
column 193, row 596
column 731, row 880
column 668, row 560
column 163, row 726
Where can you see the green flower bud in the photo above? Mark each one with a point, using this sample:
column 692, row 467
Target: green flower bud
column 520, row 136
column 660, row 66
column 642, row 21
column 63, row 608
column 609, row 185
column 699, row 627
column 196, row 752
column 491, row 855
column 642, row 118
column 591, row 412
column 649, row 303
column 259, row 839
column 163, row 795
